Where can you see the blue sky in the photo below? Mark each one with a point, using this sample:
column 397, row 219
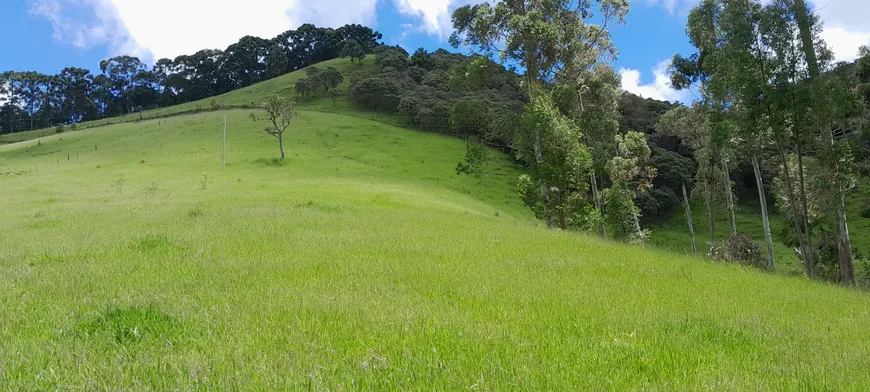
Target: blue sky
column 47, row 35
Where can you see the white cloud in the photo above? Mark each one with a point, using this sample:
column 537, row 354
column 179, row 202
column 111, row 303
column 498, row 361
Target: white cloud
column 660, row 88
column 846, row 28
column 434, row 14
column 102, row 27
column 168, row 28
column 678, row 8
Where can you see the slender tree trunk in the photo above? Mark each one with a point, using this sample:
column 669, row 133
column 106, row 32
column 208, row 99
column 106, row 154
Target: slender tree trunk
column 729, row 197
column 689, row 218
column 281, row 145
column 562, row 224
column 844, row 244
column 762, row 199
column 544, row 196
column 808, row 229
column 793, row 204
column 712, row 219
column 637, row 226
column 546, row 199
column 598, row 203
column 712, row 223
column 539, row 156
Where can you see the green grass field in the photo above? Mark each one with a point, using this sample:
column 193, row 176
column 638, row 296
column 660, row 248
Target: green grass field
column 364, row 263
column 130, row 260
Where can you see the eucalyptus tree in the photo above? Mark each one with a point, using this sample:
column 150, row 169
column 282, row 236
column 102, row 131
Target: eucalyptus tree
column 734, row 64
column 827, row 108
column 543, row 37
column 693, row 127
column 630, row 171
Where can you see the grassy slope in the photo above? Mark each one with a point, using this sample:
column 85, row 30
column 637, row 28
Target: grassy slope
column 670, row 234
column 364, row 263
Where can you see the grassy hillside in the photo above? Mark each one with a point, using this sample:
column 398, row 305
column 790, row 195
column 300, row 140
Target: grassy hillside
column 364, row 263
column 669, row 234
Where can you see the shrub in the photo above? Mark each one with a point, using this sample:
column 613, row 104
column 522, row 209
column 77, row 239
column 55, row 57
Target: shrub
column 740, row 249
column 865, row 209
column 59, row 128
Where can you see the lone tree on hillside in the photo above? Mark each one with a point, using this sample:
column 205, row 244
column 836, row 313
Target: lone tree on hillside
column 279, row 113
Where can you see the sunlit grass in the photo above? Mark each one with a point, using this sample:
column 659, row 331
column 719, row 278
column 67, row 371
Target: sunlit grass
column 364, row 262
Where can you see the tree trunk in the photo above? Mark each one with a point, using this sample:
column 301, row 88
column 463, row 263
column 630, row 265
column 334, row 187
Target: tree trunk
column 544, row 196
column 689, row 218
column 762, row 199
column 712, row 220
column 729, row 197
column 637, row 226
column 792, row 200
column 808, row 230
column 281, row 145
column 844, row 244
column 562, row 224
column 802, row 16
column 598, row 203
column 546, row 201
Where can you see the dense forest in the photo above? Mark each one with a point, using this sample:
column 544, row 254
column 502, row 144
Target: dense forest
column 777, row 119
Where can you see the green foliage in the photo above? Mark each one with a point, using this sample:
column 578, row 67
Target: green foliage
column 429, row 95
column 629, row 170
column 377, row 93
column 672, row 171
column 475, row 158
column 329, row 79
column 393, row 57
column 865, row 209
column 558, row 163
column 334, row 95
column 354, row 50
column 305, row 87
column 59, row 128
column 621, row 214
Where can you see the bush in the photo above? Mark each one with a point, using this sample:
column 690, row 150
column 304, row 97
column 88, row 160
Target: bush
column 740, row 249
column 59, row 128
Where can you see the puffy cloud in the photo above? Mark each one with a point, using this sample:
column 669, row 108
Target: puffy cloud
column 846, row 27
column 434, row 14
column 98, row 24
column 660, row 88
column 168, row 28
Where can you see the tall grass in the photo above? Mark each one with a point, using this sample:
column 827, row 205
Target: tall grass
column 364, row 263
